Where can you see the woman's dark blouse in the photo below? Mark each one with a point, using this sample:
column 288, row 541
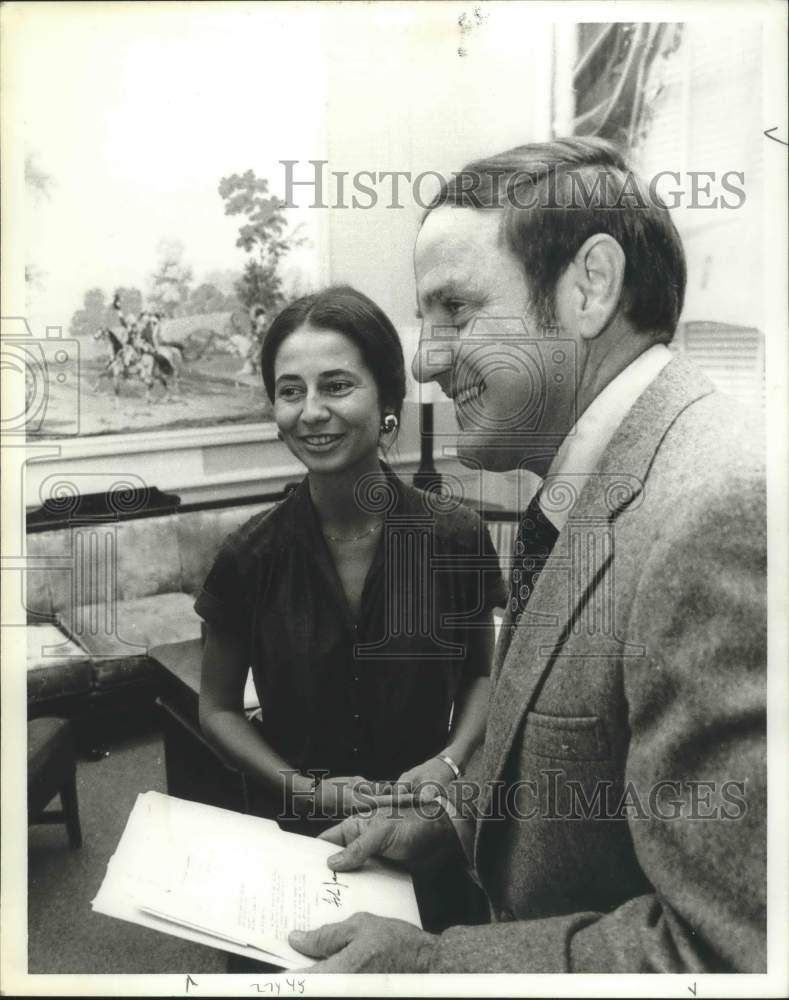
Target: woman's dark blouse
column 370, row 696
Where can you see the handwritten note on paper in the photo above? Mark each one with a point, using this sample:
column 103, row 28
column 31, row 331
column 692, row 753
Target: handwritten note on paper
column 258, row 898
column 332, row 890
column 199, row 871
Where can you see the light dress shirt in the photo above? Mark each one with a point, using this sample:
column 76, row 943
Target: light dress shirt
column 582, row 449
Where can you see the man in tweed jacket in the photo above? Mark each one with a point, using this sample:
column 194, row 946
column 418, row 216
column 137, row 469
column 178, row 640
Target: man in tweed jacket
column 616, row 816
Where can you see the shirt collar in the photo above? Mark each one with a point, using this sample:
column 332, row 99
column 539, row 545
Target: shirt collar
column 582, row 449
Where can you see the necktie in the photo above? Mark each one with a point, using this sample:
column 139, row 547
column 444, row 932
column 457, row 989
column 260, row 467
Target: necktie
column 534, row 542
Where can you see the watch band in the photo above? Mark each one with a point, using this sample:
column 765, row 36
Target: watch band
column 450, row 763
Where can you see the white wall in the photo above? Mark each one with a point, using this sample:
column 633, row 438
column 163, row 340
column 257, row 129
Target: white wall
column 403, row 98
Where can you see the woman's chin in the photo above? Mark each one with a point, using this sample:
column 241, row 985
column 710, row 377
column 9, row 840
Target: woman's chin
column 340, row 462
column 332, row 460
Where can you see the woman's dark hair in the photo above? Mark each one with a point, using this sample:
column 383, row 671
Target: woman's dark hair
column 349, row 312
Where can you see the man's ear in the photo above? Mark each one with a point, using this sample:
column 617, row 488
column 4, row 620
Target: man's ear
column 594, row 284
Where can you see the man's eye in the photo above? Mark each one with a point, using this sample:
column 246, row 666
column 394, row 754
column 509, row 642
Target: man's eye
column 454, row 307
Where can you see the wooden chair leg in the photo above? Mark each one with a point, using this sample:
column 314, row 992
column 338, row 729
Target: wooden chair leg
column 68, row 796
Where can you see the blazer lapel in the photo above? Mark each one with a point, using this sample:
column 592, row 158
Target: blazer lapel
column 579, row 563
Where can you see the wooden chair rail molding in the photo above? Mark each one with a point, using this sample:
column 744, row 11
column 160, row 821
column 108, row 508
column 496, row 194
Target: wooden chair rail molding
column 201, row 465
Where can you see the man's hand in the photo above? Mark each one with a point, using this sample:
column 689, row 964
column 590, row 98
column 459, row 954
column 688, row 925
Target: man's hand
column 399, row 834
column 366, row 943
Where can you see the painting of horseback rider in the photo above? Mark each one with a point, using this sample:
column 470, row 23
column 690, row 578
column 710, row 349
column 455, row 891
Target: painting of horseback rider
column 134, row 351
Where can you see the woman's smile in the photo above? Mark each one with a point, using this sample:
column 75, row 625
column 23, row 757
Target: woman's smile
column 320, row 442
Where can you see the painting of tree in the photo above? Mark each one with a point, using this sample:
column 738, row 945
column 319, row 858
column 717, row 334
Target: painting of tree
column 263, row 235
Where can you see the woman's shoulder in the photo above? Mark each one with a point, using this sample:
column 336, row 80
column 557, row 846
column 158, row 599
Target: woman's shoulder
column 248, row 557
column 265, row 531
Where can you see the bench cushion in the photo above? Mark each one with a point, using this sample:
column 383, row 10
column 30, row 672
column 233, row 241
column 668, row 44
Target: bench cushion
column 153, row 567
column 199, row 538
column 56, row 666
column 141, row 623
column 148, row 558
column 48, row 576
column 83, row 564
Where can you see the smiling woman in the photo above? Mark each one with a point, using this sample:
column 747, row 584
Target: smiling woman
column 326, row 401
column 333, row 368
column 365, row 612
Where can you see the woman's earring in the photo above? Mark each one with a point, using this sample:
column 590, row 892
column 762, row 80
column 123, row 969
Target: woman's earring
column 389, row 423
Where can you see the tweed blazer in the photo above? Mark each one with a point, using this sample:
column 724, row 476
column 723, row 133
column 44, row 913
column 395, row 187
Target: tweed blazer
column 621, row 822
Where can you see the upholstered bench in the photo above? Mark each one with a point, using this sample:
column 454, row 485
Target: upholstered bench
column 101, row 594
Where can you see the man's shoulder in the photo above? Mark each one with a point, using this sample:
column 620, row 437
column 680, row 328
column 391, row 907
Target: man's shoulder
column 715, row 444
column 706, row 479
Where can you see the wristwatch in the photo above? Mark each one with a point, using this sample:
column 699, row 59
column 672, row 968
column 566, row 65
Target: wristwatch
column 450, row 763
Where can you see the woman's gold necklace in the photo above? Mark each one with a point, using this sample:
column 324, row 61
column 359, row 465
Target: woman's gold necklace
column 352, row 538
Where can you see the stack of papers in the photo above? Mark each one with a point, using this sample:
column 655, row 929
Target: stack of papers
column 237, row 882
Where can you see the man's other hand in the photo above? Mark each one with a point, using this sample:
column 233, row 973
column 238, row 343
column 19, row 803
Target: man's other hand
column 402, row 834
column 366, row 943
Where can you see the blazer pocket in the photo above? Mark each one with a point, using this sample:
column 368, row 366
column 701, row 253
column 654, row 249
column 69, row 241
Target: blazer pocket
column 564, row 737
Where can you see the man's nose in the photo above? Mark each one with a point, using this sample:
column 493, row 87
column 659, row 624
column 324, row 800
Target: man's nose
column 434, row 357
